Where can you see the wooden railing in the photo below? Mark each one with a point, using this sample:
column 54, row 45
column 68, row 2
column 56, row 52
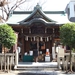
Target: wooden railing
column 8, row 60
column 66, row 60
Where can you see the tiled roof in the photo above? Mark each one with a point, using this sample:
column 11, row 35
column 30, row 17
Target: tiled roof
column 59, row 17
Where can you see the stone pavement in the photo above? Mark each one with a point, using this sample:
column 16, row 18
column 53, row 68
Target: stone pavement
column 20, row 72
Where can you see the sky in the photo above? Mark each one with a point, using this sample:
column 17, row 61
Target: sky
column 47, row 5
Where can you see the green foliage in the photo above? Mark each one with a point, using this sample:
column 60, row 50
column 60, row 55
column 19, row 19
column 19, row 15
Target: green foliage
column 7, row 36
column 67, row 34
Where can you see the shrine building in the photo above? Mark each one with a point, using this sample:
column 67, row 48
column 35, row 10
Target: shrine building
column 37, row 29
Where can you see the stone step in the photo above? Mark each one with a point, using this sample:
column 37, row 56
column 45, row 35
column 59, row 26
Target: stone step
column 35, row 69
column 36, row 66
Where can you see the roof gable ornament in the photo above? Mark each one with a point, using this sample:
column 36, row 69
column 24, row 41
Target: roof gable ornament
column 37, row 15
column 37, row 6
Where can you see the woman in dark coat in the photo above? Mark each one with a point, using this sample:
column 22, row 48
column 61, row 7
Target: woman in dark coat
column 35, row 54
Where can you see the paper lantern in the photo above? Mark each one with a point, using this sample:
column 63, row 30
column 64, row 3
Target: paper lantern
column 41, row 39
column 34, row 38
column 26, row 38
column 47, row 38
column 31, row 38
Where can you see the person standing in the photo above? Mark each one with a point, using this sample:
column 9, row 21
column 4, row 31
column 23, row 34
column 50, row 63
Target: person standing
column 35, row 54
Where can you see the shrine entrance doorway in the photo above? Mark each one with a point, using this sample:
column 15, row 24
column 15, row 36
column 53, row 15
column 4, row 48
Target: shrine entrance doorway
column 41, row 45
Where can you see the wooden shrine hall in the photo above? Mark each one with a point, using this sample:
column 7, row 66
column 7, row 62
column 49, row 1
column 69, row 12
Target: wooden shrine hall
column 36, row 31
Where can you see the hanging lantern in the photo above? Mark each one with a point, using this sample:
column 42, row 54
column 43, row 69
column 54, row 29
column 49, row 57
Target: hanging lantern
column 41, row 39
column 37, row 38
column 26, row 38
column 47, row 39
column 34, row 38
column 31, row 38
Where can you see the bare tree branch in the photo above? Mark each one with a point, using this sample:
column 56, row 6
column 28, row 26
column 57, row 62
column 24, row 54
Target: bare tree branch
column 3, row 2
column 7, row 6
column 17, row 4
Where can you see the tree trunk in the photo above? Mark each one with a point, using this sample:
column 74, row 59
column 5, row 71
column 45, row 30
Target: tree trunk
column 71, row 59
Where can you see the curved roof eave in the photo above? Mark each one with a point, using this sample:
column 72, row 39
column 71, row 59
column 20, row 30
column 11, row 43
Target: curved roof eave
column 45, row 15
column 28, row 16
column 38, row 20
column 34, row 11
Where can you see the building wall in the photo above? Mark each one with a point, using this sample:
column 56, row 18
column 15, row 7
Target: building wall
column 70, row 9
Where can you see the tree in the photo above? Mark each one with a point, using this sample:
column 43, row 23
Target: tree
column 7, row 36
column 7, row 7
column 67, row 36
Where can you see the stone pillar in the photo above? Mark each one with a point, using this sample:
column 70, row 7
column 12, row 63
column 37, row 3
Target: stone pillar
column 53, row 53
column 7, row 63
column 16, row 58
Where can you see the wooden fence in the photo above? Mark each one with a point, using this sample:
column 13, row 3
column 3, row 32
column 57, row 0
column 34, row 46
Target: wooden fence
column 7, row 60
column 65, row 62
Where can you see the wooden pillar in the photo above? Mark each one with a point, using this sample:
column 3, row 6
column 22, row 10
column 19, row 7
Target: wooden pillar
column 22, row 47
column 38, row 43
column 22, row 40
column 15, row 46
